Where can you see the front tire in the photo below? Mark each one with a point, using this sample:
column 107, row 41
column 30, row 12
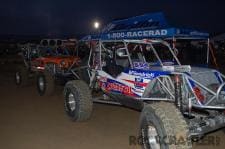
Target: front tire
column 77, row 100
column 162, row 126
column 45, row 84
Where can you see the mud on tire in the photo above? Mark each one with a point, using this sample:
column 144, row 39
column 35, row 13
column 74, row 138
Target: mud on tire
column 45, row 83
column 77, row 100
column 164, row 126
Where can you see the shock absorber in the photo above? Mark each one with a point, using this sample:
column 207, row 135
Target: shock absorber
column 178, row 93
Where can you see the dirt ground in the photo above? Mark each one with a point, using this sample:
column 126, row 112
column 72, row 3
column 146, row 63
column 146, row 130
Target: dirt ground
column 28, row 121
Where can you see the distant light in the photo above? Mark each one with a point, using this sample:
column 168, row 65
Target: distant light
column 96, row 25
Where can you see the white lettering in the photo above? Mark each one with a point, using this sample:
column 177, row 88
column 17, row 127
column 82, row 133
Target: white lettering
column 142, row 74
column 157, row 32
column 140, row 33
column 164, row 32
column 146, row 33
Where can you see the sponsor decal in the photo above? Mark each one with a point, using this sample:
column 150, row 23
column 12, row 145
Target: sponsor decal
column 118, row 87
column 135, row 34
column 110, row 85
column 142, row 74
column 139, row 83
column 141, row 65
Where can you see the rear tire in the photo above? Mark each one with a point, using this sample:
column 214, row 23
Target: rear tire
column 77, row 100
column 162, row 126
column 21, row 77
column 45, row 84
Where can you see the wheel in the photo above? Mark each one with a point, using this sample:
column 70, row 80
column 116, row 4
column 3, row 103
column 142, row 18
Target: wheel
column 45, row 84
column 162, row 126
column 77, row 100
column 21, row 77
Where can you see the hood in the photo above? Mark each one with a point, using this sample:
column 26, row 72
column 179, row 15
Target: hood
column 201, row 70
column 205, row 76
column 67, row 60
column 56, row 57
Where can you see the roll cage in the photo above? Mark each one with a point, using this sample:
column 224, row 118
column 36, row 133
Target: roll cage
column 100, row 47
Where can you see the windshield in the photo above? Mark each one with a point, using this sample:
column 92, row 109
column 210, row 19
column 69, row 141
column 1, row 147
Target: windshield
column 46, row 51
column 154, row 54
column 192, row 52
column 137, row 54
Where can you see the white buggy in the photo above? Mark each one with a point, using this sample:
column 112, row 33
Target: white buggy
column 176, row 100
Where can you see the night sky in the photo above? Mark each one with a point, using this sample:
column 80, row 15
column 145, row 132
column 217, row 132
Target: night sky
column 67, row 17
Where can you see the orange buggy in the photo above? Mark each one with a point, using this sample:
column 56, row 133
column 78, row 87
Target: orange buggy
column 50, row 62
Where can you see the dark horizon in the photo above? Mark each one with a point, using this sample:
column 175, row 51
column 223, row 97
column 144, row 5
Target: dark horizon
column 53, row 18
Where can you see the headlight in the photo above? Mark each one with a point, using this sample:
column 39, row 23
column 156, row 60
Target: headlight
column 63, row 62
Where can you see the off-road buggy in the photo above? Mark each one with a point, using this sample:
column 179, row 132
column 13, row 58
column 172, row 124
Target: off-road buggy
column 49, row 62
column 177, row 101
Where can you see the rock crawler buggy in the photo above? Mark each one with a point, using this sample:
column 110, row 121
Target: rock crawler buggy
column 49, row 62
column 178, row 102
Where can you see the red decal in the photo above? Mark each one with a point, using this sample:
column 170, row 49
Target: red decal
column 198, row 93
column 137, row 83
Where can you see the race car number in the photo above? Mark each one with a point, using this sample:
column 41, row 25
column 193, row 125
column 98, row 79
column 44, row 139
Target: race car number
column 141, row 65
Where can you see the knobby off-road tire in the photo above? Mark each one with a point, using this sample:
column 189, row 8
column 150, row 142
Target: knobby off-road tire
column 77, row 100
column 164, row 126
column 45, row 83
column 21, row 76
